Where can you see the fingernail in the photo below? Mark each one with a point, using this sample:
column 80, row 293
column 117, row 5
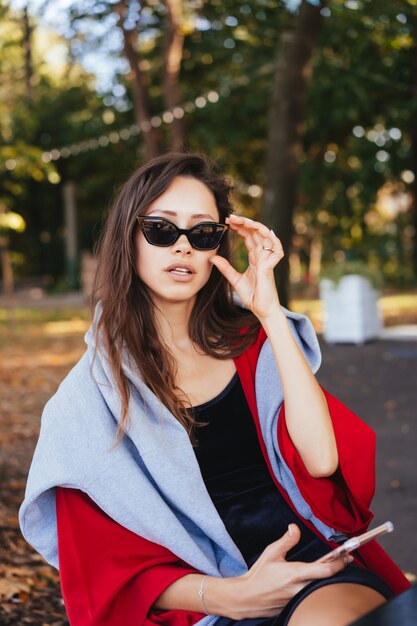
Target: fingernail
column 349, row 559
column 272, row 232
column 290, row 530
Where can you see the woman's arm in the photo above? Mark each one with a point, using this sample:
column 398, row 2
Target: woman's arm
column 184, row 594
column 307, row 415
column 308, row 419
column 109, row 575
column 262, row 592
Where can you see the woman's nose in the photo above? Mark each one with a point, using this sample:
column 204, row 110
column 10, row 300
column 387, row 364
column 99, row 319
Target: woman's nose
column 182, row 245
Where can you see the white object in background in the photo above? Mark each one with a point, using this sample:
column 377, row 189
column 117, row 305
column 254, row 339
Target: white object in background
column 350, row 310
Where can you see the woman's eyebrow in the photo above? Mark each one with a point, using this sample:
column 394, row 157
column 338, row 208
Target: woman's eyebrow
column 174, row 214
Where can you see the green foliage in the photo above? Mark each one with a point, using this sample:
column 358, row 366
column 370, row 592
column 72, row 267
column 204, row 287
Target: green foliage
column 358, row 135
column 63, row 108
column 358, row 128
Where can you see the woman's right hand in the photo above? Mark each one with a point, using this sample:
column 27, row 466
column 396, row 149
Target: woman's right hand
column 272, row 581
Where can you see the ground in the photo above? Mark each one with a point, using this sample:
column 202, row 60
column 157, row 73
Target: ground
column 377, row 381
column 32, row 366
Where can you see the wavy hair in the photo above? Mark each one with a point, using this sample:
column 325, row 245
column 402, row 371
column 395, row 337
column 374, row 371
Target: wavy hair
column 128, row 316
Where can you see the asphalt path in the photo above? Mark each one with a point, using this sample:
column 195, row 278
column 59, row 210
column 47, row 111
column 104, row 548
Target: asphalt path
column 378, row 381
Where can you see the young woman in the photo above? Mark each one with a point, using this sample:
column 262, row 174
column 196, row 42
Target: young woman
column 190, row 468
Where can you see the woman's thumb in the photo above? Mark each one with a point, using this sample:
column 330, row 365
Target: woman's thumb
column 226, row 269
column 287, row 541
column 294, row 532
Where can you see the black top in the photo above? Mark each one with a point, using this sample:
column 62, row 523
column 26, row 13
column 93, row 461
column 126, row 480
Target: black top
column 249, row 503
column 239, row 482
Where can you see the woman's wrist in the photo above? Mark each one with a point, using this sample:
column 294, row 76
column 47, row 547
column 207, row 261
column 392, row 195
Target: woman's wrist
column 223, row 596
column 274, row 316
column 204, row 594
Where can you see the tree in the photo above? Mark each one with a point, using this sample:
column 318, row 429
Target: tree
column 352, row 145
column 19, row 160
column 357, row 140
column 413, row 130
column 173, row 48
column 140, row 81
column 63, row 110
column 292, row 74
column 164, row 21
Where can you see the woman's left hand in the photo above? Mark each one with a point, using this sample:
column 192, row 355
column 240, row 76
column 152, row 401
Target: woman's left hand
column 256, row 286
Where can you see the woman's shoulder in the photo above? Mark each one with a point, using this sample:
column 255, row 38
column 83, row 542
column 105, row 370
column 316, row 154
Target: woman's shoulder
column 77, row 406
column 77, row 381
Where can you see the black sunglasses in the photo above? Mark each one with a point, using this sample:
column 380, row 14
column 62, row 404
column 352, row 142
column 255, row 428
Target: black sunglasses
column 159, row 231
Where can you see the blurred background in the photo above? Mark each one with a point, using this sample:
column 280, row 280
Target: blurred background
column 309, row 107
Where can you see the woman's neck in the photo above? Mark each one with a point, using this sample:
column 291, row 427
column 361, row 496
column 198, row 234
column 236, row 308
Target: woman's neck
column 172, row 320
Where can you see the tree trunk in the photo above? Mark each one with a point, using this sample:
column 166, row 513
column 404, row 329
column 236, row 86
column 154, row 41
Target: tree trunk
column 293, row 69
column 316, row 249
column 174, row 40
column 27, row 44
column 295, row 267
column 8, row 283
column 71, row 239
column 413, row 133
column 7, row 274
column 6, row 268
column 140, row 88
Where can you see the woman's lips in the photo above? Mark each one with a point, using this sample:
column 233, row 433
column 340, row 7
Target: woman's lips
column 180, row 266
column 180, row 272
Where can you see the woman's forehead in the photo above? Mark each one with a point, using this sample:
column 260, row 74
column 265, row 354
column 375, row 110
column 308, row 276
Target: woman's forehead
column 188, row 198
column 170, row 213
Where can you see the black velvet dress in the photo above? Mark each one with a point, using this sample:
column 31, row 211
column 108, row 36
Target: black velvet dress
column 252, row 508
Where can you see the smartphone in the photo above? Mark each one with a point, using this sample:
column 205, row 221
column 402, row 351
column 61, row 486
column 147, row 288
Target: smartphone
column 355, row 542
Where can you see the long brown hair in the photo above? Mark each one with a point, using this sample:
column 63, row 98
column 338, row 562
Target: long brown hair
column 128, row 319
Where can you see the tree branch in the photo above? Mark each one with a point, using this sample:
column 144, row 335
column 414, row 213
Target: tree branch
column 140, row 87
column 174, row 41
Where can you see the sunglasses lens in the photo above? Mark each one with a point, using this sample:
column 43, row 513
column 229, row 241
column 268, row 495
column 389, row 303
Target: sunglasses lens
column 206, row 236
column 159, row 233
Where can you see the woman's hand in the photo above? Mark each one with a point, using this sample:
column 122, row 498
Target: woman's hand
column 272, row 581
column 261, row 592
column 256, row 286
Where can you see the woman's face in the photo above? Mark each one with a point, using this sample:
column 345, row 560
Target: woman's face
column 186, row 202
